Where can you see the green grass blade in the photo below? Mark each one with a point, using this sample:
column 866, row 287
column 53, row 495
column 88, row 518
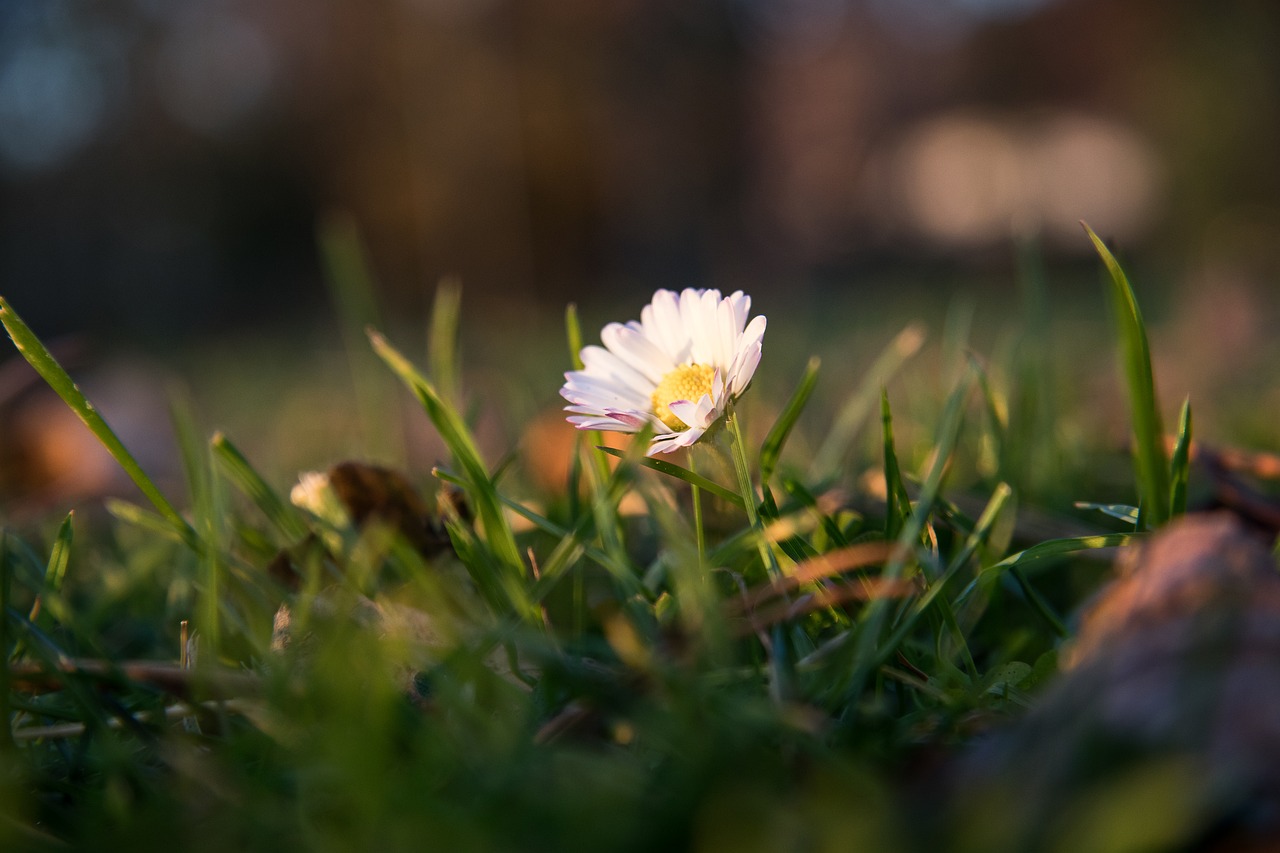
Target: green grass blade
column 210, row 518
column 868, row 640
column 1120, row 512
column 283, row 515
column 131, row 513
column 897, row 503
column 796, row 489
column 771, row 450
column 457, row 437
column 1039, row 604
column 1049, row 550
column 573, row 331
column 60, row 555
column 442, row 346
column 679, row 473
column 1180, row 464
column 1151, row 464
column 859, row 404
column 39, row 357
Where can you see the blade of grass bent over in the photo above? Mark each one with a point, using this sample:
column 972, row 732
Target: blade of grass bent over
column 673, row 470
column 1044, row 551
column 39, row 357
column 1150, row 462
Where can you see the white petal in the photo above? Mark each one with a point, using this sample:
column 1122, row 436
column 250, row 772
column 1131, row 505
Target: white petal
column 607, row 367
column 637, row 351
column 664, row 326
column 753, row 333
column 744, row 369
column 587, row 390
column 727, row 334
column 741, row 305
column 691, row 322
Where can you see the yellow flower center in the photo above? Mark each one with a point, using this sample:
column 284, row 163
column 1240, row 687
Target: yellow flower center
column 686, row 382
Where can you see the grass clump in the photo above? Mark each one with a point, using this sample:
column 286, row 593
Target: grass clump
column 738, row 649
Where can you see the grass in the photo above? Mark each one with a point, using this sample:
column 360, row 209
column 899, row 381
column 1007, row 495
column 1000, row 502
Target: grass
column 762, row 656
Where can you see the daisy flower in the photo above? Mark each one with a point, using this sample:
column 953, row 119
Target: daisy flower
column 676, row 370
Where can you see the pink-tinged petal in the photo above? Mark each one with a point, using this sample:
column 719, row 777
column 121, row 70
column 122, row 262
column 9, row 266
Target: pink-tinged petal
column 687, row 412
column 602, row 424
column 717, row 386
column 632, row 419
column 675, row 441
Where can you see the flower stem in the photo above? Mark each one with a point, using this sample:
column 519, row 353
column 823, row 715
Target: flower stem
column 696, row 495
column 782, row 661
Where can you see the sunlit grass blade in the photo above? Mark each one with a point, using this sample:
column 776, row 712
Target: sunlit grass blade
column 60, row 555
column 1120, row 512
column 771, row 450
column 573, row 331
column 572, row 542
column 282, row 515
column 1151, row 464
column 442, row 345
column 39, row 357
column 457, row 437
column 141, row 517
column 673, row 470
column 859, row 405
column 56, row 570
column 1052, row 549
column 1180, row 463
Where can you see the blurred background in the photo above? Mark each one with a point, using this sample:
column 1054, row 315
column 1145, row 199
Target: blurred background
column 165, row 167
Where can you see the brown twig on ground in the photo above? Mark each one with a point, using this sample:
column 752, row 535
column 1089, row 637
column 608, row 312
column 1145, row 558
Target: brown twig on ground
column 170, row 678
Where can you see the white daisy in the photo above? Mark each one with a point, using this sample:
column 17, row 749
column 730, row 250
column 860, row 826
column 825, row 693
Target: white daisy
column 676, row 370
